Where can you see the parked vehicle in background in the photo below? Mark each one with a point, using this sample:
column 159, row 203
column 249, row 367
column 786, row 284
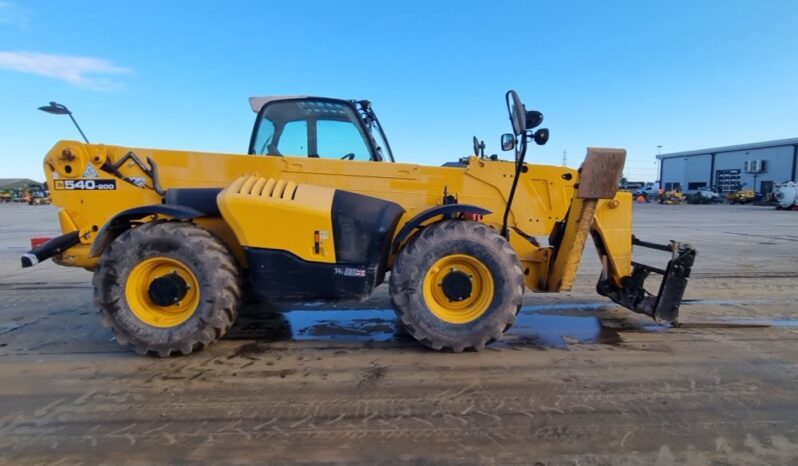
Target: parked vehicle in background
column 630, row 186
column 786, row 195
column 743, row 196
column 704, row 196
column 18, row 196
column 673, row 197
column 709, row 194
column 40, row 198
column 648, row 190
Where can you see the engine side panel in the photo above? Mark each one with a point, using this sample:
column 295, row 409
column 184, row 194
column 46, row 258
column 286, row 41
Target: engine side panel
column 275, row 214
column 295, row 236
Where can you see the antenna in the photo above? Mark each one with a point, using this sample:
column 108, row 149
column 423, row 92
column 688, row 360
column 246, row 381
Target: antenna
column 565, row 158
column 57, row 109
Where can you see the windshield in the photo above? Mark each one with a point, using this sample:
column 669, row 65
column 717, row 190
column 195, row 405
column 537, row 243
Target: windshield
column 312, row 128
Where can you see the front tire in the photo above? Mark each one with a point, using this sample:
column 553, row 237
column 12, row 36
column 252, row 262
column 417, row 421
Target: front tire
column 457, row 285
column 167, row 288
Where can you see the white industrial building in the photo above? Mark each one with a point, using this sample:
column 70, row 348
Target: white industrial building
column 758, row 166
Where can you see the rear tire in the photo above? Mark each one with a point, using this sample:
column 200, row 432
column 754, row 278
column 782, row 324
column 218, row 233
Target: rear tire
column 457, row 285
column 202, row 309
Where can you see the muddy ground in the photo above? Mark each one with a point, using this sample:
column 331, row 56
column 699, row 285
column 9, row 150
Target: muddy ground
column 577, row 381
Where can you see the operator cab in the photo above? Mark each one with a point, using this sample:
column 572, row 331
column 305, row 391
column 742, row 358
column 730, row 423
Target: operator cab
column 317, row 127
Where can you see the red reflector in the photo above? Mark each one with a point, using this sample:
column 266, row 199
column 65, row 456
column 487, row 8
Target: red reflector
column 471, row 216
column 38, row 241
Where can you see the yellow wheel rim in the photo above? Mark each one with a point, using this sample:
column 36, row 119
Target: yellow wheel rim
column 137, row 292
column 468, row 304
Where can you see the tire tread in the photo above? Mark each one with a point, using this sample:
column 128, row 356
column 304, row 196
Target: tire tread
column 226, row 292
column 408, row 264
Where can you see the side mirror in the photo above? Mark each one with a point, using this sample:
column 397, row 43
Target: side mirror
column 533, row 119
column 508, row 142
column 479, row 148
column 541, row 136
column 517, row 112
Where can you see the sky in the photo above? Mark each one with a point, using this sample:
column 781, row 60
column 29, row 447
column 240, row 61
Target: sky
column 634, row 74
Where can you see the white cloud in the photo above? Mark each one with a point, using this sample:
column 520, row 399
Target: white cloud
column 80, row 71
column 11, row 13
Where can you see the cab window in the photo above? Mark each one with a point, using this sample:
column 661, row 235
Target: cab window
column 311, row 128
column 294, row 138
column 340, row 139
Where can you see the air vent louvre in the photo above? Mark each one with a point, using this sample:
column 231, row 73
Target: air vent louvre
column 253, row 185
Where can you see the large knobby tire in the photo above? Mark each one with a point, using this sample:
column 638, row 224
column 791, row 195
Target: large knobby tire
column 457, row 285
column 191, row 266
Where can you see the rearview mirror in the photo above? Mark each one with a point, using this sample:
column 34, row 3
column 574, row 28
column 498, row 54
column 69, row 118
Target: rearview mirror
column 517, row 112
column 508, row 142
column 533, row 119
column 479, row 148
column 541, row 136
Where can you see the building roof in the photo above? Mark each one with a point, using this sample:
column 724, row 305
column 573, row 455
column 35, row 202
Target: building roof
column 739, row 147
column 14, row 183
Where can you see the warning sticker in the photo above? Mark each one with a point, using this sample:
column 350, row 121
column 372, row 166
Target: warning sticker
column 90, row 172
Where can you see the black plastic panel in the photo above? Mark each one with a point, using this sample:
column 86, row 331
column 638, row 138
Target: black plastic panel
column 280, row 275
column 363, row 227
column 201, row 199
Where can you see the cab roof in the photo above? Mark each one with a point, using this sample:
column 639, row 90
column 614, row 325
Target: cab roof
column 257, row 103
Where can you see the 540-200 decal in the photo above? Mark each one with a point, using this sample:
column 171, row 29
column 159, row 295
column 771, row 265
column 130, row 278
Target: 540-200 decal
column 84, row 185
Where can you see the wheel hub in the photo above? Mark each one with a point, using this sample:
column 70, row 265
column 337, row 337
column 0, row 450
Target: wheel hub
column 457, row 286
column 168, row 290
column 162, row 291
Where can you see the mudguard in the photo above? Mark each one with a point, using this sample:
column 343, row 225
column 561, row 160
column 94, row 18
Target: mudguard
column 445, row 210
column 121, row 221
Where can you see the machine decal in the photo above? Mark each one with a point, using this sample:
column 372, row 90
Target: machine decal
column 350, row 271
column 84, row 185
column 90, row 172
column 138, row 181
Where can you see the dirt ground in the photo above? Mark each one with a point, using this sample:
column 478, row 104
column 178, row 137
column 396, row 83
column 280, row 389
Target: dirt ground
column 576, row 381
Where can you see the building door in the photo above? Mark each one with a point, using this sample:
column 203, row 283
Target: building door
column 766, row 187
column 728, row 180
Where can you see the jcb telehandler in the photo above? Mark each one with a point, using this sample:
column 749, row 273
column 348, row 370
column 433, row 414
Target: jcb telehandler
column 318, row 209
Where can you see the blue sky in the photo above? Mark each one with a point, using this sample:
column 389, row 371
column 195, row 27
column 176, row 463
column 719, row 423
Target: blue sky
column 177, row 74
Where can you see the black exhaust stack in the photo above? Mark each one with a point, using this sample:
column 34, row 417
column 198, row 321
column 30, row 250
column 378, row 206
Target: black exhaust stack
column 49, row 249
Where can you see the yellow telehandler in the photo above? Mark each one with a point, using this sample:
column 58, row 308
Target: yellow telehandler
column 318, row 209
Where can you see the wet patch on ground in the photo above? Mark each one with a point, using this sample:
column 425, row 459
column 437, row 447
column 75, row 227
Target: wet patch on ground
column 356, row 325
column 742, row 323
column 541, row 326
column 557, row 331
column 785, row 322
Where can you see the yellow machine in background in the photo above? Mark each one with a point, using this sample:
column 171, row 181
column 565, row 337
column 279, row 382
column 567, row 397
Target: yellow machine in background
column 673, row 198
column 39, row 197
column 319, row 210
column 743, row 196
